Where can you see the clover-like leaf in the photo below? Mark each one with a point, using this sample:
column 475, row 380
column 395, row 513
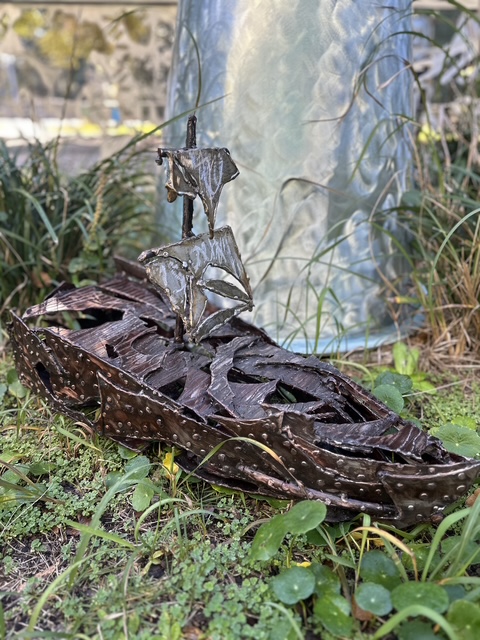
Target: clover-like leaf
column 398, row 380
column 143, row 494
column 464, row 421
column 427, row 594
column 470, row 551
column 460, row 440
column 305, row 516
column 374, row 598
column 293, row 585
column 464, row 616
column 390, row 396
column 377, row 567
column 268, row 539
column 455, row 591
column 325, row 580
column 138, row 468
column 333, row 612
column 416, row 630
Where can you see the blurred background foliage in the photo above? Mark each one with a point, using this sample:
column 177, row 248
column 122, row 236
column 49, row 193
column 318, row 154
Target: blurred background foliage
column 98, row 69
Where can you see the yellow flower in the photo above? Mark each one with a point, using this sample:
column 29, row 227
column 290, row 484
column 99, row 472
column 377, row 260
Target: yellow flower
column 169, row 465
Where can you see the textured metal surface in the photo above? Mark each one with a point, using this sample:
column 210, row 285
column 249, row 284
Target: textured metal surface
column 314, row 97
column 285, row 426
column 181, row 271
column 201, row 172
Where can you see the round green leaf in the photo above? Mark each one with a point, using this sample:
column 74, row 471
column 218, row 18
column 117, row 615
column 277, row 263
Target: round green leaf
column 455, row 591
column 333, row 613
column 143, row 494
column 138, row 468
column 379, row 568
column 293, row 585
column 464, row 616
column 427, row 594
column 374, row 598
column 422, row 552
column 455, row 544
column 402, row 382
column 416, row 630
column 464, row 421
column 460, row 440
column 305, row 516
column 325, row 580
column 268, row 539
column 390, row 396
column 113, row 477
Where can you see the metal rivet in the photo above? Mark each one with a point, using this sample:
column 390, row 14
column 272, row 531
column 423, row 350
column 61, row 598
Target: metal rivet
column 423, row 496
column 461, row 487
column 410, row 507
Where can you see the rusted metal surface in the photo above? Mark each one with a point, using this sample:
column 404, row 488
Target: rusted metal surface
column 285, row 426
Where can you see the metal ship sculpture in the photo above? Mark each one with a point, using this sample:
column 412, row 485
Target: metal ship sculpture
column 160, row 364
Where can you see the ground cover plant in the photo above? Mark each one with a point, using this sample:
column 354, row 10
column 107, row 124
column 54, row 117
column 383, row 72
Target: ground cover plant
column 100, row 542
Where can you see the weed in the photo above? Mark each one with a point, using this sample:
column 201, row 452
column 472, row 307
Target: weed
column 55, row 227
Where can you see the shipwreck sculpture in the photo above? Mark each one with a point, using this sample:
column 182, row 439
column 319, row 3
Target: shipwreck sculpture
column 281, row 424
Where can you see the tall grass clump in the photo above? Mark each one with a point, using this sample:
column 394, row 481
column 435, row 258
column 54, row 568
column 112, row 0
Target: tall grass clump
column 444, row 204
column 56, row 227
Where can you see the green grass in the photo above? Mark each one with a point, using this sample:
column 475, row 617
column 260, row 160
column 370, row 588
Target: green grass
column 80, row 560
column 98, row 543
column 55, row 227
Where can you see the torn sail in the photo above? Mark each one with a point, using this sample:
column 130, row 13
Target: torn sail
column 181, row 271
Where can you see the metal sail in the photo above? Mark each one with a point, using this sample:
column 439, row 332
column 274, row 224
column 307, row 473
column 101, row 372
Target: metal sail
column 201, row 172
column 181, row 270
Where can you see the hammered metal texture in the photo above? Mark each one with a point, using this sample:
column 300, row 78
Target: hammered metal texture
column 281, row 425
column 314, row 97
